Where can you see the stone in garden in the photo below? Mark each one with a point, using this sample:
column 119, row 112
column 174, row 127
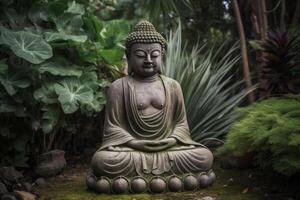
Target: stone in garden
column 3, row 189
column 22, row 195
column 8, row 197
column 9, row 176
column 51, row 163
column 27, row 186
column 146, row 131
column 40, row 182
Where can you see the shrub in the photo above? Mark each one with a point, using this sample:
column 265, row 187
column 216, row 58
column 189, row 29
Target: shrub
column 270, row 129
column 55, row 61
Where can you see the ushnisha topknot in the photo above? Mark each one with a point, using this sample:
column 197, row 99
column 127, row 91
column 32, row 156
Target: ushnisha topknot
column 144, row 32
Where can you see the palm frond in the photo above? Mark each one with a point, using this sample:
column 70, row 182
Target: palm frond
column 211, row 95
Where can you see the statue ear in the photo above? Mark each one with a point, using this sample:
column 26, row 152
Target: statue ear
column 127, row 53
column 129, row 68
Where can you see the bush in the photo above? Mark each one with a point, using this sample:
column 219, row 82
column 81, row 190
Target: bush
column 271, row 130
column 55, row 61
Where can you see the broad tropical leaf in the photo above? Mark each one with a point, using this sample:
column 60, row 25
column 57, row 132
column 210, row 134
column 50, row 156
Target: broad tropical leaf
column 75, row 8
column 26, row 45
column 114, row 32
column 50, row 117
column 3, row 66
column 60, row 67
column 54, row 36
column 71, row 94
column 113, row 56
column 96, row 105
column 46, row 94
column 13, row 81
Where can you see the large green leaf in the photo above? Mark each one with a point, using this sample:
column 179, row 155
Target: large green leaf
column 13, row 81
column 96, row 105
column 93, row 25
column 75, row 8
column 114, row 32
column 11, row 107
column 90, row 51
column 113, row 56
column 50, row 117
column 46, row 94
column 3, row 67
column 60, row 67
column 69, row 25
column 26, row 45
column 55, row 36
column 71, row 94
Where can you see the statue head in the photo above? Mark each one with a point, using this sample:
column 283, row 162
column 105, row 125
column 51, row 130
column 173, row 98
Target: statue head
column 144, row 50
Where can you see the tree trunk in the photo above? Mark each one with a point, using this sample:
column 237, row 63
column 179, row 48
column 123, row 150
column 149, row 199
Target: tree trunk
column 260, row 27
column 264, row 23
column 296, row 13
column 282, row 15
column 243, row 46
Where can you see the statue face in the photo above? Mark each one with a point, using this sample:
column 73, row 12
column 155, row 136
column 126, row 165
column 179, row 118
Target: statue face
column 145, row 59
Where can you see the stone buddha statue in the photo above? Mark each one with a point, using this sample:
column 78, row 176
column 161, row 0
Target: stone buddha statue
column 146, row 140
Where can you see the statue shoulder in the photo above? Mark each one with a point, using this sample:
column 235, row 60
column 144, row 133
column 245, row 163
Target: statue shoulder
column 117, row 86
column 171, row 82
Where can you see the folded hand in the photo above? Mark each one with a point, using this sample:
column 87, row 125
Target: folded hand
column 152, row 146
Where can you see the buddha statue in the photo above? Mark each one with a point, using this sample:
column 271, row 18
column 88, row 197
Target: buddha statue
column 146, row 140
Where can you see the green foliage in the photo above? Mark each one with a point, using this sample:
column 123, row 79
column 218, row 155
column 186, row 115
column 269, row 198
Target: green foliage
column 26, row 45
column 55, row 61
column 205, row 76
column 271, row 129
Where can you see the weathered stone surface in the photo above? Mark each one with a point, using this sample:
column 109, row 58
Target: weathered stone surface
column 27, row 186
column 157, row 185
column 146, row 131
column 103, row 186
column 138, row 185
column 9, row 176
column 22, row 195
column 3, row 189
column 8, row 197
column 40, row 182
column 175, row 184
column 204, row 180
column 51, row 163
column 120, row 185
column 190, row 183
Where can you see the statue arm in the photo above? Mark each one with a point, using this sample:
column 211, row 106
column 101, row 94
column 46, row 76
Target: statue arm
column 115, row 133
column 181, row 129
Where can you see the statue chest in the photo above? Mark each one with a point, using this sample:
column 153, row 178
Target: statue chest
column 150, row 97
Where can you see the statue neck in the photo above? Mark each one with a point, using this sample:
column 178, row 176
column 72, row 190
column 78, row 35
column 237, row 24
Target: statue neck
column 148, row 79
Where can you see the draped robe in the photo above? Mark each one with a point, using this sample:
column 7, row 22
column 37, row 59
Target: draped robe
column 123, row 123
